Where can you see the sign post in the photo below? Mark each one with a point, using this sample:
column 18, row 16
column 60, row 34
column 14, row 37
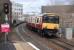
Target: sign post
column 6, row 32
column 6, row 27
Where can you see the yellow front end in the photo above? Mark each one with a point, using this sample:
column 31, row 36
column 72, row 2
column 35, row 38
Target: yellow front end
column 50, row 26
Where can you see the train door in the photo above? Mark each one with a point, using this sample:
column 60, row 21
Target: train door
column 38, row 20
column 35, row 21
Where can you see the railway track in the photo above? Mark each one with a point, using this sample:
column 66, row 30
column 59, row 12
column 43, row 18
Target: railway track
column 62, row 44
column 31, row 39
column 66, row 42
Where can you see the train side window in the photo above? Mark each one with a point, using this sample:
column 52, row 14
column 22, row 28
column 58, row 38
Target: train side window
column 37, row 20
column 31, row 19
column 40, row 20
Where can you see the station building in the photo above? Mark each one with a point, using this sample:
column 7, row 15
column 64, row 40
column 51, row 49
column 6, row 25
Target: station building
column 17, row 10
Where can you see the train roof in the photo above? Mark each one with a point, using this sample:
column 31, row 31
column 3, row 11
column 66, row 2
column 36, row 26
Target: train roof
column 50, row 14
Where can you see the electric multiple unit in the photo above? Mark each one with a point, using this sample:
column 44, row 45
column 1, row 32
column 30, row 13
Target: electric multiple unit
column 47, row 23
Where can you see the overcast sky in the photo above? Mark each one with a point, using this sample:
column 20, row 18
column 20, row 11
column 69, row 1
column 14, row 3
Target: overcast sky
column 35, row 5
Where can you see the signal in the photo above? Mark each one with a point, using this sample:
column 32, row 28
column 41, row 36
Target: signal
column 6, row 8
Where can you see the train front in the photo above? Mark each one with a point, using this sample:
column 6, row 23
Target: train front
column 50, row 24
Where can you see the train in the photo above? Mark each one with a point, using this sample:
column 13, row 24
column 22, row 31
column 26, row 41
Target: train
column 45, row 24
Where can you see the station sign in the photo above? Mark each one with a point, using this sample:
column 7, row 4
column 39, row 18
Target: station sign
column 5, row 28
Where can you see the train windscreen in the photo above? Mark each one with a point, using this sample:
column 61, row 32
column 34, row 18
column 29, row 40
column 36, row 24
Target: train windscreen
column 50, row 19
